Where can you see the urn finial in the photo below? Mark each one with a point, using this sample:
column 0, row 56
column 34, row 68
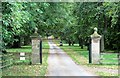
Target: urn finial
column 36, row 29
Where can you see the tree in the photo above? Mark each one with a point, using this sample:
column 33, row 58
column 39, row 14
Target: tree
column 71, row 22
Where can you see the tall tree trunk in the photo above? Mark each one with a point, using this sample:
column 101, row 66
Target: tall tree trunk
column 81, row 41
column 81, row 46
column 102, row 44
column 17, row 43
column 69, row 42
column 72, row 43
column 27, row 40
column 104, row 31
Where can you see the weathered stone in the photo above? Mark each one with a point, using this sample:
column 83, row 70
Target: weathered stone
column 35, row 48
column 102, row 43
column 95, row 47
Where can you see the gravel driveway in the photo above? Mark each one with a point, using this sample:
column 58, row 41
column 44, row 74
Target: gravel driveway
column 60, row 64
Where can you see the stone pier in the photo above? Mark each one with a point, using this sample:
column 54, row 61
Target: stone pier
column 95, row 47
column 35, row 48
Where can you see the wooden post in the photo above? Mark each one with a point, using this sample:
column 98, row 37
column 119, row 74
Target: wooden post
column 41, row 52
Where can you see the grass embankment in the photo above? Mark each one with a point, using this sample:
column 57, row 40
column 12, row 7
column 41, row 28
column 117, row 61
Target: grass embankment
column 28, row 70
column 80, row 56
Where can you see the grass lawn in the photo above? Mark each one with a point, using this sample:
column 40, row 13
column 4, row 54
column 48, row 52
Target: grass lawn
column 108, row 58
column 80, row 56
column 27, row 48
column 25, row 69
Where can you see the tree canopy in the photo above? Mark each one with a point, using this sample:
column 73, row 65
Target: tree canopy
column 71, row 22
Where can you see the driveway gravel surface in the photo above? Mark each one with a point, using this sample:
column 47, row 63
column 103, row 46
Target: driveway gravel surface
column 60, row 64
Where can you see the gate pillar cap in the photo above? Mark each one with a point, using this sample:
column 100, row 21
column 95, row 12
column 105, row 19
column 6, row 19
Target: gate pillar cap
column 95, row 34
column 36, row 35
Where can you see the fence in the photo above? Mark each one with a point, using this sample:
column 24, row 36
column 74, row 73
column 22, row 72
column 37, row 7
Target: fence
column 6, row 60
column 14, row 59
column 109, row 58
column 21, row 59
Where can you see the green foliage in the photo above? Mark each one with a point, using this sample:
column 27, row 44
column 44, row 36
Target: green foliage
column 103, row 15
column 72, row 22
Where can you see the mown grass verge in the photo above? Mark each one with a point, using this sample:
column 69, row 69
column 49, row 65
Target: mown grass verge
column 28, row 70
column 27, row 48
column 80, row 56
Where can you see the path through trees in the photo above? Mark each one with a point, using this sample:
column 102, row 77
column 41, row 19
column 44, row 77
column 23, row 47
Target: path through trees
column 60, row 64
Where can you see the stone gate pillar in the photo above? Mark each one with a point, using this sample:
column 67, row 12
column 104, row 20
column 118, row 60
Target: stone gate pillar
column 95, row 47
column 35, row 48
